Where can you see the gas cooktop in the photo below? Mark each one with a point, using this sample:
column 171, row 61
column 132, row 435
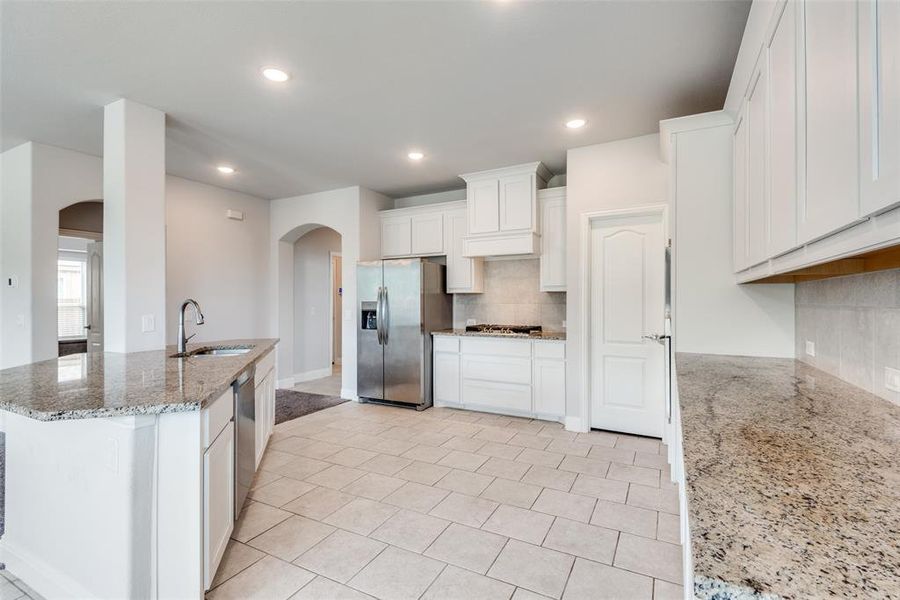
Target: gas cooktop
column 505, row 329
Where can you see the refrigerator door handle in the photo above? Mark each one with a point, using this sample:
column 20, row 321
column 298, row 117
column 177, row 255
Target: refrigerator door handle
column 386, row 318
column 378, row 316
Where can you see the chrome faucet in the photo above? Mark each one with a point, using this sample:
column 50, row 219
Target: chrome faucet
column 182, row 341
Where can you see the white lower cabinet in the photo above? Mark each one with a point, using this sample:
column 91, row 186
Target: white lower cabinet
column 218, row 500
column 264, row 400
column 511, row 376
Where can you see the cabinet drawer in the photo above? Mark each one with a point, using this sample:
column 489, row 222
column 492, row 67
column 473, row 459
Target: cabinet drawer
column 263, row 366
column 216, row 416
column 499, row 369
column 446, row 344
column 497, row 395
column 496, row 347
column 550, row 350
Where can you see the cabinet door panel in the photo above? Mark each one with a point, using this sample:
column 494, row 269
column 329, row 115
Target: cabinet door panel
column 832, row 175
column 740, row 192
column 553, row 245
column 427, row 234
column 396, row 236
column 517, row 202
column 783, row 161
column 218, row 501
column 446, row 377
column 550, row 387
column 879, row 110
column 757, row 183
column 483, row 203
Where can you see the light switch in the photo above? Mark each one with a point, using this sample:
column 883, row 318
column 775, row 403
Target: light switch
column 148, row 324
column 12, row 281
column 810, row 348
column 892, row 379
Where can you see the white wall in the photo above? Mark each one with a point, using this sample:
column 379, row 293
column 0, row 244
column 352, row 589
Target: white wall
column 423, row 199
column 713, row 314
column 621, row 174
column 220, row 262
column 312, row 302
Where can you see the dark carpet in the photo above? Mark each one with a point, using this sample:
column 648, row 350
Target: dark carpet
column 290, row 404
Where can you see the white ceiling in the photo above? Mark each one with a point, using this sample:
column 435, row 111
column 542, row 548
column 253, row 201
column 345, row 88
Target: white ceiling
column 475, row 85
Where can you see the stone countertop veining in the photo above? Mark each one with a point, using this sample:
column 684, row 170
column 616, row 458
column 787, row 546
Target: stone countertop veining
column 112, row 384
column 793, row 481
column 544, row 335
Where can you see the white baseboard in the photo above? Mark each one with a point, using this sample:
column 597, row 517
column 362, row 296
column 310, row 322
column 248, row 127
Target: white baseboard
column 39, row 576
column 285, row 384
column 576, row 424
column 310, row 375
column 349, row 395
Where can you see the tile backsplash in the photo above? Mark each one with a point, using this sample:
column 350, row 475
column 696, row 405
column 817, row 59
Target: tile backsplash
column 853, row 323
column 511, row 297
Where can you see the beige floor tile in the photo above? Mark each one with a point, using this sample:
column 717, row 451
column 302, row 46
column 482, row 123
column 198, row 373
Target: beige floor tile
column 336, row 477
column 534, row 568
column 500, row 450
column 352, row 457
column 334, row 436
column 385, row 464
column 325, row 589
column 587, row 541
column 341, row 555
column 632, row 474
column 663, row 590
column 501, row 467
column 500, row 435
column 551, row 478
column 461, row 429
column 365, row 441
column 410, row 530
column 268, row 579
column 621, row 517
column 645, row 459
column 318, row 503
column 264, row 477
column 615, row 455
column 9, row 591
column 454, row 583
column 415, row 496
column 650, row 557
column 598, row 438
column 429, row 454
column 519, row 523
column 662, row 499
column 431, row 438
column 291, row 538
column 281, row 491
column 523, row 594
column 464, row 482
column 466, row 547
column 394, row 447
column 467, row 461
column 593, row 581
column 300, row 467
column 527, row 440
column 638, row 444
column 588, row 466
column 374, row 486
column 510, row 492
column 604, row 489
column 237, row 557
column 568, row 447
column 399, row 433
column 292, row 444
column 540, row 457
column 556, row 431
column 464, row 509
column 423, row 473
column 255, row 518
column 397, row 574
column 361, row 516
column 668, row 528
column 563, row 504
column 319, row 450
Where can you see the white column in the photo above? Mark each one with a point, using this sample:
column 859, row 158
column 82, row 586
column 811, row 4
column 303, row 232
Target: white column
column 134, row 227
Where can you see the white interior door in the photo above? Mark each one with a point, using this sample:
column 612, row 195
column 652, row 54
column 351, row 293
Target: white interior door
column 94, row 305
column 336, row 308
column 627, row 303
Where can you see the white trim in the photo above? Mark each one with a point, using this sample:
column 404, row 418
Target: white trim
column 41, row 577
column 310, row 375
column 669, row 127
column 586, row 220
column 346, row 394
column 331, row 255
column 576, row 424
column 285, row 384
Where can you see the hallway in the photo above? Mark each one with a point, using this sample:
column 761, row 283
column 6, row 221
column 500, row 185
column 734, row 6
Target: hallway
column 327, row 386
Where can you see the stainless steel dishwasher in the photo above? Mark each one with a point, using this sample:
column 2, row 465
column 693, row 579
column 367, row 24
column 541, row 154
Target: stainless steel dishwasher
column 244, row 437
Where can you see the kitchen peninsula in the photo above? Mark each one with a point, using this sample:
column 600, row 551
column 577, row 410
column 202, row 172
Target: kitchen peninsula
column 120, row 467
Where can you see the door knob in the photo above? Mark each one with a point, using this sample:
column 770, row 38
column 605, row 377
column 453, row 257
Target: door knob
column 656, row 337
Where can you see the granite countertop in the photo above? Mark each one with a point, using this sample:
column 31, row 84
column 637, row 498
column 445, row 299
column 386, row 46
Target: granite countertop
column 112, row 384
column 793, row 481
column 544, row 335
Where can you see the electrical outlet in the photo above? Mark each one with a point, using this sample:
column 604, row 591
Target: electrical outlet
column 148, row 324
column 892, row 379
column 810, row 348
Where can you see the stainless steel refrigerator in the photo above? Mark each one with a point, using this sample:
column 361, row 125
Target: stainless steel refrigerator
column 401, row 302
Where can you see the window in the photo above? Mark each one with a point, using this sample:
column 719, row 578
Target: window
column 71, row 298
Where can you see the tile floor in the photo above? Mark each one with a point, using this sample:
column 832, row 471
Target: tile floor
column 367, row 501
column 327, row 386
column 13, row 588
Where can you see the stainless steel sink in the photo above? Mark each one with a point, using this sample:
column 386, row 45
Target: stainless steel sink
column 215, row 351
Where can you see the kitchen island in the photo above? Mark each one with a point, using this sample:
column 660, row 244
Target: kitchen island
column 120, row 468
column 793, row 481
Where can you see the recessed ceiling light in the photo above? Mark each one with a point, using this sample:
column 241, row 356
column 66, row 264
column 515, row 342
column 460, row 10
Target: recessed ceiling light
column 225, row 169
column 415, row 155
column 275, row 74
column 575, row 123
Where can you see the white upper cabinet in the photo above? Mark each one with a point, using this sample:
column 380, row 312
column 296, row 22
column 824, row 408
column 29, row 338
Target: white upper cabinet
column 396, row 235
column 427, row 233
column 831, row 199
column 464, row 275
column 503, row 210
column 757, row 188
column 740, row 191
column 412, row 232
column 879, row 104
column 783, row 158
column 553, row 239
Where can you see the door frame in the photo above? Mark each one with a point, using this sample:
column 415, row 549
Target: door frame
column 331, row 256
column 586, row 223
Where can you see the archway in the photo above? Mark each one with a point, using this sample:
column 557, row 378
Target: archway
column 79, row 276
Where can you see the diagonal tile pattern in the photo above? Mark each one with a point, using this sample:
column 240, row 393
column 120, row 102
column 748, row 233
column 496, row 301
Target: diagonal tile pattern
column 365, row 501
